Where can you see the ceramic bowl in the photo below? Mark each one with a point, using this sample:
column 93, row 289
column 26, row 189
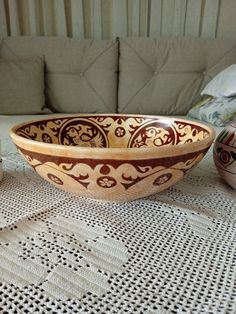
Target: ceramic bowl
column 112, row 157
column 1, row 170
column 225, row 154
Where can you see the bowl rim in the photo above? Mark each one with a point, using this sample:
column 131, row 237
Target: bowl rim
column 101, row 152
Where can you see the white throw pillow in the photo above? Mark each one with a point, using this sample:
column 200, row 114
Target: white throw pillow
column 217, row 111
column 223, row 84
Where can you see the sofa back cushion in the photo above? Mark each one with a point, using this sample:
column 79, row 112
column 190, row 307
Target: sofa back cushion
column 81, row 75
column 166, row 75
column 22, row 86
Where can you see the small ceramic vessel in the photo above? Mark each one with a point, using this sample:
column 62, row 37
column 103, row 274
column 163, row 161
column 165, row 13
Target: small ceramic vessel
column 1, row 170
column 225, row 154
column 112, row 157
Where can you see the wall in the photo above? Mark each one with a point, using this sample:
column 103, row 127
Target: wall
column 111, row 18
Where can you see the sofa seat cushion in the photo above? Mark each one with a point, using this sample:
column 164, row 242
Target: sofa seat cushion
column 22, row 86
column 81, row 75
column 166, row 75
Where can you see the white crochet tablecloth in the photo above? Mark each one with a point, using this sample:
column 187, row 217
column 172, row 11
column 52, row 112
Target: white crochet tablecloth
column 173, row 252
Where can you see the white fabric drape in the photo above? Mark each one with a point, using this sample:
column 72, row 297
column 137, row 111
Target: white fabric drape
column 110, row 18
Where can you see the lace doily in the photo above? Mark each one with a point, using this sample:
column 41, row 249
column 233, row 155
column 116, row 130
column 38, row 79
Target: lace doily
column 173, row 252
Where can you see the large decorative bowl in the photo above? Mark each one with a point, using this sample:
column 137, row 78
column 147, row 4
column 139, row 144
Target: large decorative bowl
column 225, row 154
column 112, row 157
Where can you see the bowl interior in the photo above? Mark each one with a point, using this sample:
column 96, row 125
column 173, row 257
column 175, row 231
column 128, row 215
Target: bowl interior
column 113, row 131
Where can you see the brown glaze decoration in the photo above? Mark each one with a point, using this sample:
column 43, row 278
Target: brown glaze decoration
column 225, row 154
column 162, row 179
column 141, row 169
column 94, row 131
column 116, row 157
column 54, row 179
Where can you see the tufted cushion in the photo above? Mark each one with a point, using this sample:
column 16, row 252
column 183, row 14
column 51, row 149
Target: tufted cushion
column 81, row 75
column 22, row 86
column 166, row 75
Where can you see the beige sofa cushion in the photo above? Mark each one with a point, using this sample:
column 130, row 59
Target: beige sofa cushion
column 22, row 86
column 81, row 75
column 166, row 75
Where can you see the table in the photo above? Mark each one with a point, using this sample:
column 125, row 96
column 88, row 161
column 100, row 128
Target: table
column 173, row 252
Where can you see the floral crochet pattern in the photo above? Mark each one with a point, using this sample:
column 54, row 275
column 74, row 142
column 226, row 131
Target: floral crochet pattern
column 66, row 257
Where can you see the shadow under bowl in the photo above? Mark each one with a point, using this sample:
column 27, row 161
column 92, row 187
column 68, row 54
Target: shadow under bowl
column 112, row 157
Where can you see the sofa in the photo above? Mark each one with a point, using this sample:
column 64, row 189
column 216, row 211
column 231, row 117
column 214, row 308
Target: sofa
column 173, row 252
column 161, row 76
column 128, row 75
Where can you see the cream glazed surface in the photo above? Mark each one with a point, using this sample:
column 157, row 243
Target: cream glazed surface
column 112, row 157
column 225, row 154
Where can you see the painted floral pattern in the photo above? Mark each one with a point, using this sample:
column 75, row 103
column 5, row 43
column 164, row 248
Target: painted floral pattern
column 217, row 111
column 117, row 176
column 113, row 131
column 106, row 182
